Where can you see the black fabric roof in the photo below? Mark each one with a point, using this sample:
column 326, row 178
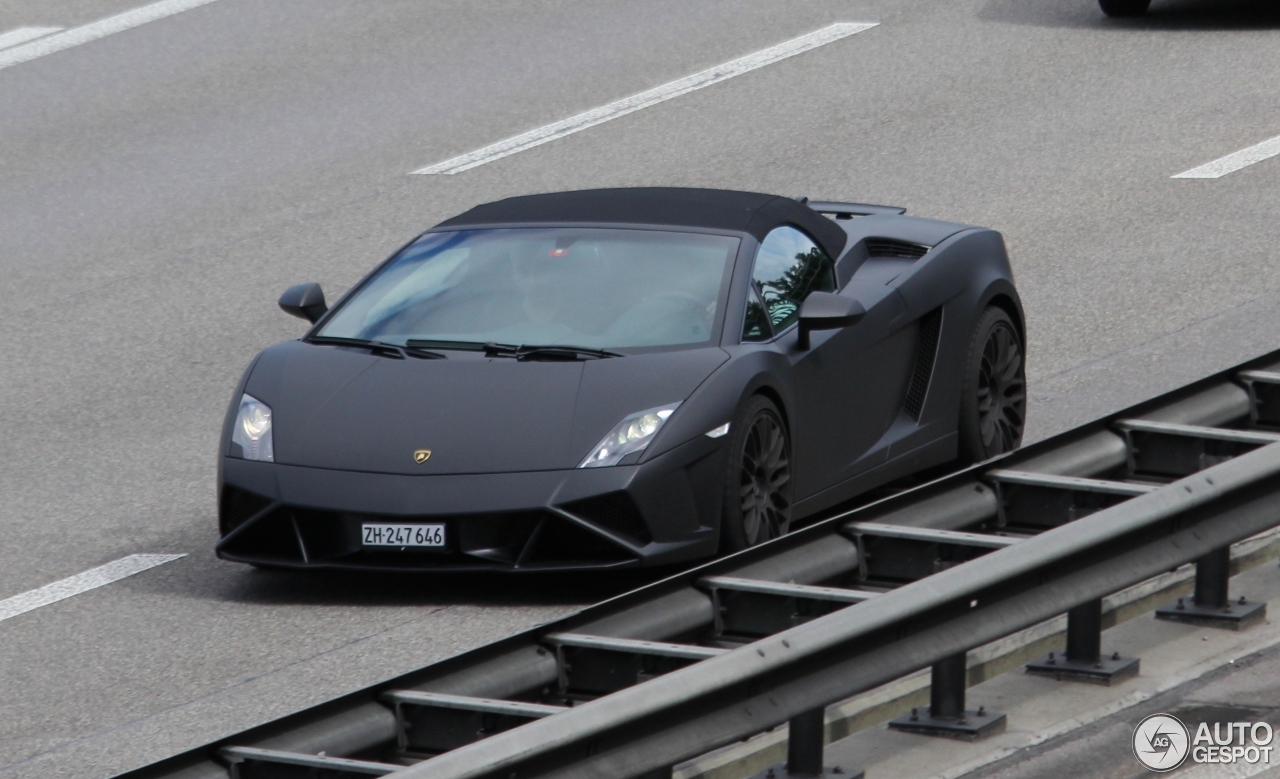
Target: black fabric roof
column 719, row 209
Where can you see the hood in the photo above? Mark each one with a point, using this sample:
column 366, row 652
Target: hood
column 346, row 409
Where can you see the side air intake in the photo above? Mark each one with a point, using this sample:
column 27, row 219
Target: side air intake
column 891, row 247
column 926, row 350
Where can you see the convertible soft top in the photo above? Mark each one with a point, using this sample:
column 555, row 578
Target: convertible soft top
column 718, row 209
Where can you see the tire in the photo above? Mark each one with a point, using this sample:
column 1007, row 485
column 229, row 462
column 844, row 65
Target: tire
column 993, row 398
column 1124, row 7
column 758, row 485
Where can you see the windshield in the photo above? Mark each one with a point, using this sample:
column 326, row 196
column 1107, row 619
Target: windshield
column 598, row 288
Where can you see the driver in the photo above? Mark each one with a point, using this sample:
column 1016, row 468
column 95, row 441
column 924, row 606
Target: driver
column 543, row 283
column 546, row 280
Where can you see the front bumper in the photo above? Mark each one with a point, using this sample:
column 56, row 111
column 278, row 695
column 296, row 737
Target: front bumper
column 663, row 511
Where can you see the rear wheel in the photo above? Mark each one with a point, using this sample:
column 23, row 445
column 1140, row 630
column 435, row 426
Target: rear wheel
column 993, row 399
column 758, row 489
column 1124, row 7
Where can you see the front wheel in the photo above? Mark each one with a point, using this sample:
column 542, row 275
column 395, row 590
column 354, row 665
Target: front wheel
column 758, row 489
column 993, row 398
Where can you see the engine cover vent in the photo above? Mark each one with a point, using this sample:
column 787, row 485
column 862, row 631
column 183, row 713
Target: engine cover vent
column 892, row 247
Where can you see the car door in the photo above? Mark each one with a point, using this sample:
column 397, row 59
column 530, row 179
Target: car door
column 848, row 386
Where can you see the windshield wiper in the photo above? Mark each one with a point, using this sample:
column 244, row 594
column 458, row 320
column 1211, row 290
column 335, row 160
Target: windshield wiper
column 459, row 346
column 559, row 352
column 521, row 352
column 377, row 347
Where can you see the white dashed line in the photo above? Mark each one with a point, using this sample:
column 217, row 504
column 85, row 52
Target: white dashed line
column 647, row 98
column 95, row 30
column 1233, row 162
column 24, row 34
column 82, row 582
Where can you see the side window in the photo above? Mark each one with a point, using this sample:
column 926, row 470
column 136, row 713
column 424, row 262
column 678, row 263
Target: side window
column 755, row 327
column 788, row 267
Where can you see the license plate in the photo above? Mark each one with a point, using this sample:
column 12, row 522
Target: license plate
column 401, row 535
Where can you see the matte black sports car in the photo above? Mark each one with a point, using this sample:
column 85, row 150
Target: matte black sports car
column 617, row 378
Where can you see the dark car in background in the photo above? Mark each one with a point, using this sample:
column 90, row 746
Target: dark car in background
column 617, row 378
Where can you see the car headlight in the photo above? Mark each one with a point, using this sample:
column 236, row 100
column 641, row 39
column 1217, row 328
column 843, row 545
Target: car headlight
column 632, row 434
column 252, row 430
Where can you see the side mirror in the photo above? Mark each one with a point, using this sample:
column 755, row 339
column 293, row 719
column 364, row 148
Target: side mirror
column 827, row 311
column 305, row 301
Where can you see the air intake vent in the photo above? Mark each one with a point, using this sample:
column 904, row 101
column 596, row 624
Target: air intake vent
column 926, row 350
column 889, row 247
column 616, row 512
column 238, row 507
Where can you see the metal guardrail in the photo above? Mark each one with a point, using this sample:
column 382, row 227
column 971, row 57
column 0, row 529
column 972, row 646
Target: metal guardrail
column 633, row 686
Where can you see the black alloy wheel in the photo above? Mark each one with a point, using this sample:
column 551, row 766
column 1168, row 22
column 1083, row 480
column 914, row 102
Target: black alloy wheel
column 993, row 401
column 758, row 484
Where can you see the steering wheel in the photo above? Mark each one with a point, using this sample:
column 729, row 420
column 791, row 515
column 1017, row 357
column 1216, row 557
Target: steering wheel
column 700, row 310
column 666, row 313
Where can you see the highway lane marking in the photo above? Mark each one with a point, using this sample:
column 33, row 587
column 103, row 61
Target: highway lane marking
column 82, row 582
column 95, row 30
column 24, row 34
column 626, row 105
column 1233, row 162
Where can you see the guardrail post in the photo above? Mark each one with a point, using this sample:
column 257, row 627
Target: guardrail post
column 947, row 687
column 1083, row 661
column 1213, row 572
column 806, row 735
column 1211, row 605
column 1084, row 632
column 946, row 715
column 804, row 744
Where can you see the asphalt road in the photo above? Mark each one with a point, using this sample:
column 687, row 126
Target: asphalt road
column 161, row 186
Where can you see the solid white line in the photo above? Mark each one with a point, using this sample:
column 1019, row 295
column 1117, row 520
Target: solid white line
column 82, row 582
column 647, row 98
column 1233, row 162
column 95, row 30
column 24, row 34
